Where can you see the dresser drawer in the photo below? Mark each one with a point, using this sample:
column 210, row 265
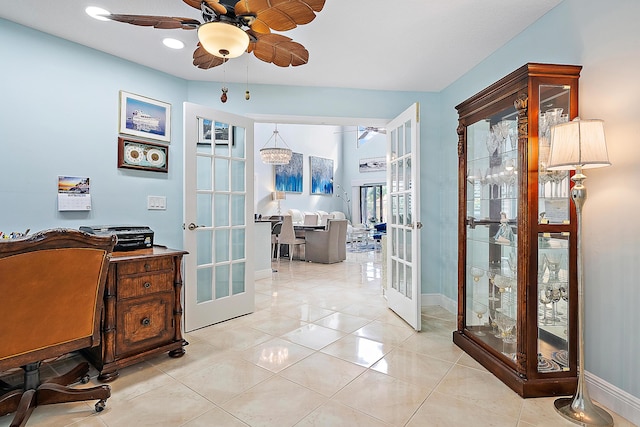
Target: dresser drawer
column 145, row 284
column 144, row 323
column 145, row 266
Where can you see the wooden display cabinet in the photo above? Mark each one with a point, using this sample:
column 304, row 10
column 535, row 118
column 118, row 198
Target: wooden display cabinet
column 517, row 278
column 142, row 310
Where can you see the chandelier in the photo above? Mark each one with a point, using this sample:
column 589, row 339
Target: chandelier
column 275, row 155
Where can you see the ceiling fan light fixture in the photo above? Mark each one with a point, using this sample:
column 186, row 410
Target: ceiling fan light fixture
column 223, row 40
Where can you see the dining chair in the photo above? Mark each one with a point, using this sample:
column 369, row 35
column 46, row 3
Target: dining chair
column 288, row 236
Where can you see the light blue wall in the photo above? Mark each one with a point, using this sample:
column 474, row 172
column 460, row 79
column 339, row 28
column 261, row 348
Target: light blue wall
column 603, row 37
column 59, row 116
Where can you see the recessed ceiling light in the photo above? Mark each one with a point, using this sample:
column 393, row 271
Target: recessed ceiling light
column 97, row 12
column 173, row 43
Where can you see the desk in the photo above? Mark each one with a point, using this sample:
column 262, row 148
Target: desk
column 142, row 310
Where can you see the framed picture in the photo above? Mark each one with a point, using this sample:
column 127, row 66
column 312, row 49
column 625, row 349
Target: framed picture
column 133, row 154
column 321, row 175
column 222, row 133
column 144, row 117
column 289, row 177
column 375, row 164
column 205, row 131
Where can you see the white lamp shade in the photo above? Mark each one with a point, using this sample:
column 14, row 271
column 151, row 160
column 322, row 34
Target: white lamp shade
column 578, row 144
column 279, row 195
column 223, row 40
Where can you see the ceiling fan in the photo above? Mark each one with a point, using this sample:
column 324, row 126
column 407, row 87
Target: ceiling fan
column 232, row 27
column 366, row 132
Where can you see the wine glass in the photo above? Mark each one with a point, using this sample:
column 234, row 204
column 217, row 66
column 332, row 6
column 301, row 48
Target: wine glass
column 480, row 310
column 491, row 274
column 476, row 273
column 509, row 324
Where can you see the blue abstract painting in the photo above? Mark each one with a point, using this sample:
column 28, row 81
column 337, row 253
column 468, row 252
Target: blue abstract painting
column 321, row 175
column 289, row 177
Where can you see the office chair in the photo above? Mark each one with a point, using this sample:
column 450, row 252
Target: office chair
column 51, row 295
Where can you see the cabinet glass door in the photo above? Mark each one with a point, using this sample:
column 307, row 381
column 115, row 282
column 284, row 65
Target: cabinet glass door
column 491, row 243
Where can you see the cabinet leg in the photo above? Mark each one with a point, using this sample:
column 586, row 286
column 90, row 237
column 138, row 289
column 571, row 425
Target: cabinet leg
column 106, row 377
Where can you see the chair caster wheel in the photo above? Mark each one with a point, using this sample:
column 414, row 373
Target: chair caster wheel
column 100, row 405
column 85, row 379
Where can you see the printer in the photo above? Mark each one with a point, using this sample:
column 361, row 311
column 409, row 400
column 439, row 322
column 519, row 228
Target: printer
column 129, row 237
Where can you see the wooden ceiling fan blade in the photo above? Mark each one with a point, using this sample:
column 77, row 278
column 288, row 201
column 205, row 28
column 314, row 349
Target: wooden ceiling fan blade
column 279, row 50
column 260, row 27
column 164, row 22
column 205, row 60
column 220, row 9
column 281, row 15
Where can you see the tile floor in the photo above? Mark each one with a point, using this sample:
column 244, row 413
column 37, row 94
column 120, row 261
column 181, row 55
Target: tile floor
column 321, row 350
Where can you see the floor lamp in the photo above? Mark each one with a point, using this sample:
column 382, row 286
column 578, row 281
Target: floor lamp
column 578, row 145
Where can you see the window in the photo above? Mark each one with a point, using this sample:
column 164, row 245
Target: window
column 372, row 206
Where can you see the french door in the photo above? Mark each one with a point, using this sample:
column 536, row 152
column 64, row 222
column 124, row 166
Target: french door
column 218, row 216
column 403, row 220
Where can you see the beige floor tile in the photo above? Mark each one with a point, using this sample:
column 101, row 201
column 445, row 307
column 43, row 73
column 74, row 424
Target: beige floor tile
column 366, row 310
column 433, row 345
column 541, row 412
column 333, row 414
column 362, row 351
column 277, row 325
column 62, row 414
column 323, row 373
column 276, row 354
column 239, row 338
column 276, row 402
column 445, row 411
column 385, row 333
column 413, row 367
column 481, row 389
column 216, row 417
column 225, row 378
column 313, row 336
column 307, row 312
column 171, row 405
column 343, row 322
column 383, row 397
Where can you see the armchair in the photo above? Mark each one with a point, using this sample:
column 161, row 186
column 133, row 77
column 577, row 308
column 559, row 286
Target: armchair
column 328, row 246
column 51, row 291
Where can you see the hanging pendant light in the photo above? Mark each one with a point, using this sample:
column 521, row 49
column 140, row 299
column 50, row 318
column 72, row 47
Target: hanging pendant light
column 275, row 155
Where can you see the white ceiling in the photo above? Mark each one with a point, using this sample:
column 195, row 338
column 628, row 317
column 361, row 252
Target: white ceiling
column 413, row 45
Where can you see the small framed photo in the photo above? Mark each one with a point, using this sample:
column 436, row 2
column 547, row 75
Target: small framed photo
column 374, row 164
column 144, row 117
column 222, row 133
column 205, row 131
column 133, row 154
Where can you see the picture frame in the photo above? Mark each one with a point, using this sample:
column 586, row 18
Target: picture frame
column 289, row 177
column 144, row 117
column 205, row 131
column 321, row 175
column 222, row 133
column 142, row 155
column 373, row 164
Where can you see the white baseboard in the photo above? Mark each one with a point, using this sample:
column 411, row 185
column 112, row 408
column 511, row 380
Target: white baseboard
column 619, row 401
column 262, row 274
column 608, row 395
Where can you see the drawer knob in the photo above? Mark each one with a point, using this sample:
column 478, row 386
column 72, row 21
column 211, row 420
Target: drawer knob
column 147, row 285
column 147, row 267
column 146, row 321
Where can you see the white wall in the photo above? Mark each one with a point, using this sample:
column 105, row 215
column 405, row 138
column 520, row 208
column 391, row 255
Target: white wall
column 308, row 140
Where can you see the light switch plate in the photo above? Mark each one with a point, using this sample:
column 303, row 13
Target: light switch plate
column 156, row 202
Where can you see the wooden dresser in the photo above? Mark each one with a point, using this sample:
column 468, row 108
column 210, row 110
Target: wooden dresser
column 142, row 310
